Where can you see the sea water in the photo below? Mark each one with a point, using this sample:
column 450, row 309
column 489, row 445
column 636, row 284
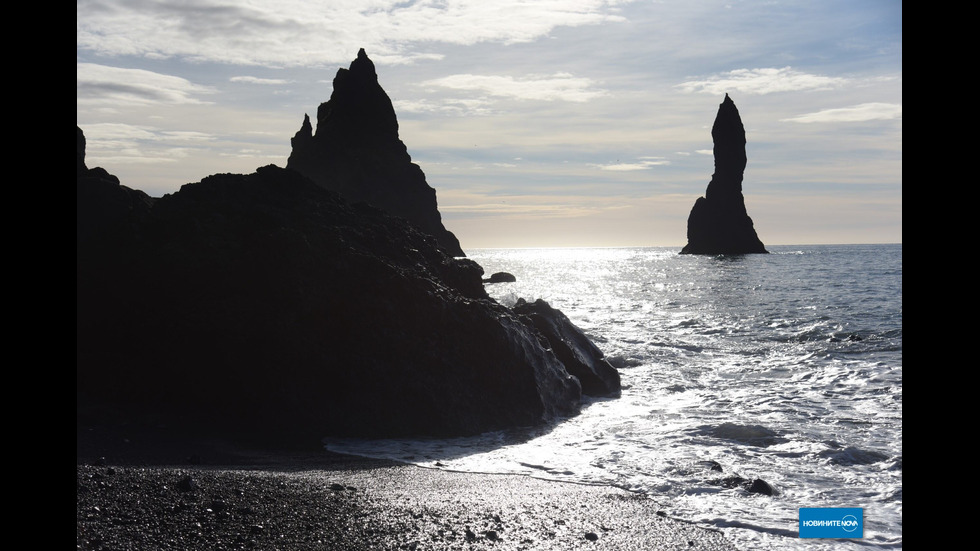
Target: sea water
column 785, row 367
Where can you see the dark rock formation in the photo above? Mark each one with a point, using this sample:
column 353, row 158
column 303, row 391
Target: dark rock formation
column 266, row 305
column 577, row 353
column 713, row 465
column 80, row 167
column 105, row 211
column 759, row 486
column 357, row 153
column 719, row 223
column 756, row 486
column 500, row 277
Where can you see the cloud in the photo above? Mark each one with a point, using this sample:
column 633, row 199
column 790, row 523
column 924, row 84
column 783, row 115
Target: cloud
column 857, row 113
column 102, row 84
column 265, row 32
column 476, row 204
column 560, row 86
column 119, row 133
column 626, row 167
column 257, row 80
column 116, row 143
column 761, row 81
column 451, row 106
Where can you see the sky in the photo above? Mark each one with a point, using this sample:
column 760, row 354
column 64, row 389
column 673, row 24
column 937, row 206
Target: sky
column 549, row 123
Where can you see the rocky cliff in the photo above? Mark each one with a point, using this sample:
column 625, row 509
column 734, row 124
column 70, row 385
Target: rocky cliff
column 356, row 152
column 719, row 222
column 264, row 304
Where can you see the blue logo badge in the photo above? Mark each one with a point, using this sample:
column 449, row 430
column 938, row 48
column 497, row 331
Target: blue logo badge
column 831, row 522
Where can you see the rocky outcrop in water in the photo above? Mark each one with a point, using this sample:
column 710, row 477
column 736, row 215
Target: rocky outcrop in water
column 580, row 356
column 264, row 304
column 500, row 277
column 754, row 486
column 719, row 223
column 356, row 152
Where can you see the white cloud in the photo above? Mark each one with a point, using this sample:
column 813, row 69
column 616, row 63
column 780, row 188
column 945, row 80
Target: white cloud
column 625, row 167
column 761, row 81
column 857, row 113
column 110, row 144
column 315, row 32
column 132, row 157
column 117, row 131
column 102, row 132
column 476, row 204
column 185, row 136
column 102, row 84
column 257, row 80
column 450, row 106
column 560, row 86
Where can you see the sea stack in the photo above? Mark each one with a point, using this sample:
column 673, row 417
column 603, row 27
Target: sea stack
column 356, row 152
column 719, row 223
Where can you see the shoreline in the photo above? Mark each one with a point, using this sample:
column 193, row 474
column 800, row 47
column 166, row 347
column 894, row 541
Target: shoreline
column 141, row 488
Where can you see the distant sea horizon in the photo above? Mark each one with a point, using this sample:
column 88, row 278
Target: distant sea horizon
column 678, row 246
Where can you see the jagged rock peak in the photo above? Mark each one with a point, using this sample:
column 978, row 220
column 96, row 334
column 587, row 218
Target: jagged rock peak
column 356, row 152
column 719, row 222
column 363, row 64
column 728, row 135
column 80, row 167
column 359, row 111
column 304, row 135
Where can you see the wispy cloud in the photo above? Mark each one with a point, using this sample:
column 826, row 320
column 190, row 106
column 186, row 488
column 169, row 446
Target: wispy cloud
column 265, row 32
column 257, row 80
column 450, row 106
column 118, row 131
column 556, row 87
column 625, row 167
column 102, row 84
column 476, row 204
column 116, row 143
column 857, row 113
column 762, row 81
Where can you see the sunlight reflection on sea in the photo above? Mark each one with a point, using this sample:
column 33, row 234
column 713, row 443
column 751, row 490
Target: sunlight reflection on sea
column 785, row 367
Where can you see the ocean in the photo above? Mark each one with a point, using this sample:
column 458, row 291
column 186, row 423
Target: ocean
column 784, row 367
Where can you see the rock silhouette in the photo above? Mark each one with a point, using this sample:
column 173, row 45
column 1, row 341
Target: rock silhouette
column 719, row 222
column 580, row 356
column 500, row 277
column 356, row 152
column 266, row 306
column 106, row 212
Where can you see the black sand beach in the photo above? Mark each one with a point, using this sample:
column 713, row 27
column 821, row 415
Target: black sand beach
column 153, row 489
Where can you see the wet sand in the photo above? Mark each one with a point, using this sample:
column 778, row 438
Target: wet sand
column 141, row 489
